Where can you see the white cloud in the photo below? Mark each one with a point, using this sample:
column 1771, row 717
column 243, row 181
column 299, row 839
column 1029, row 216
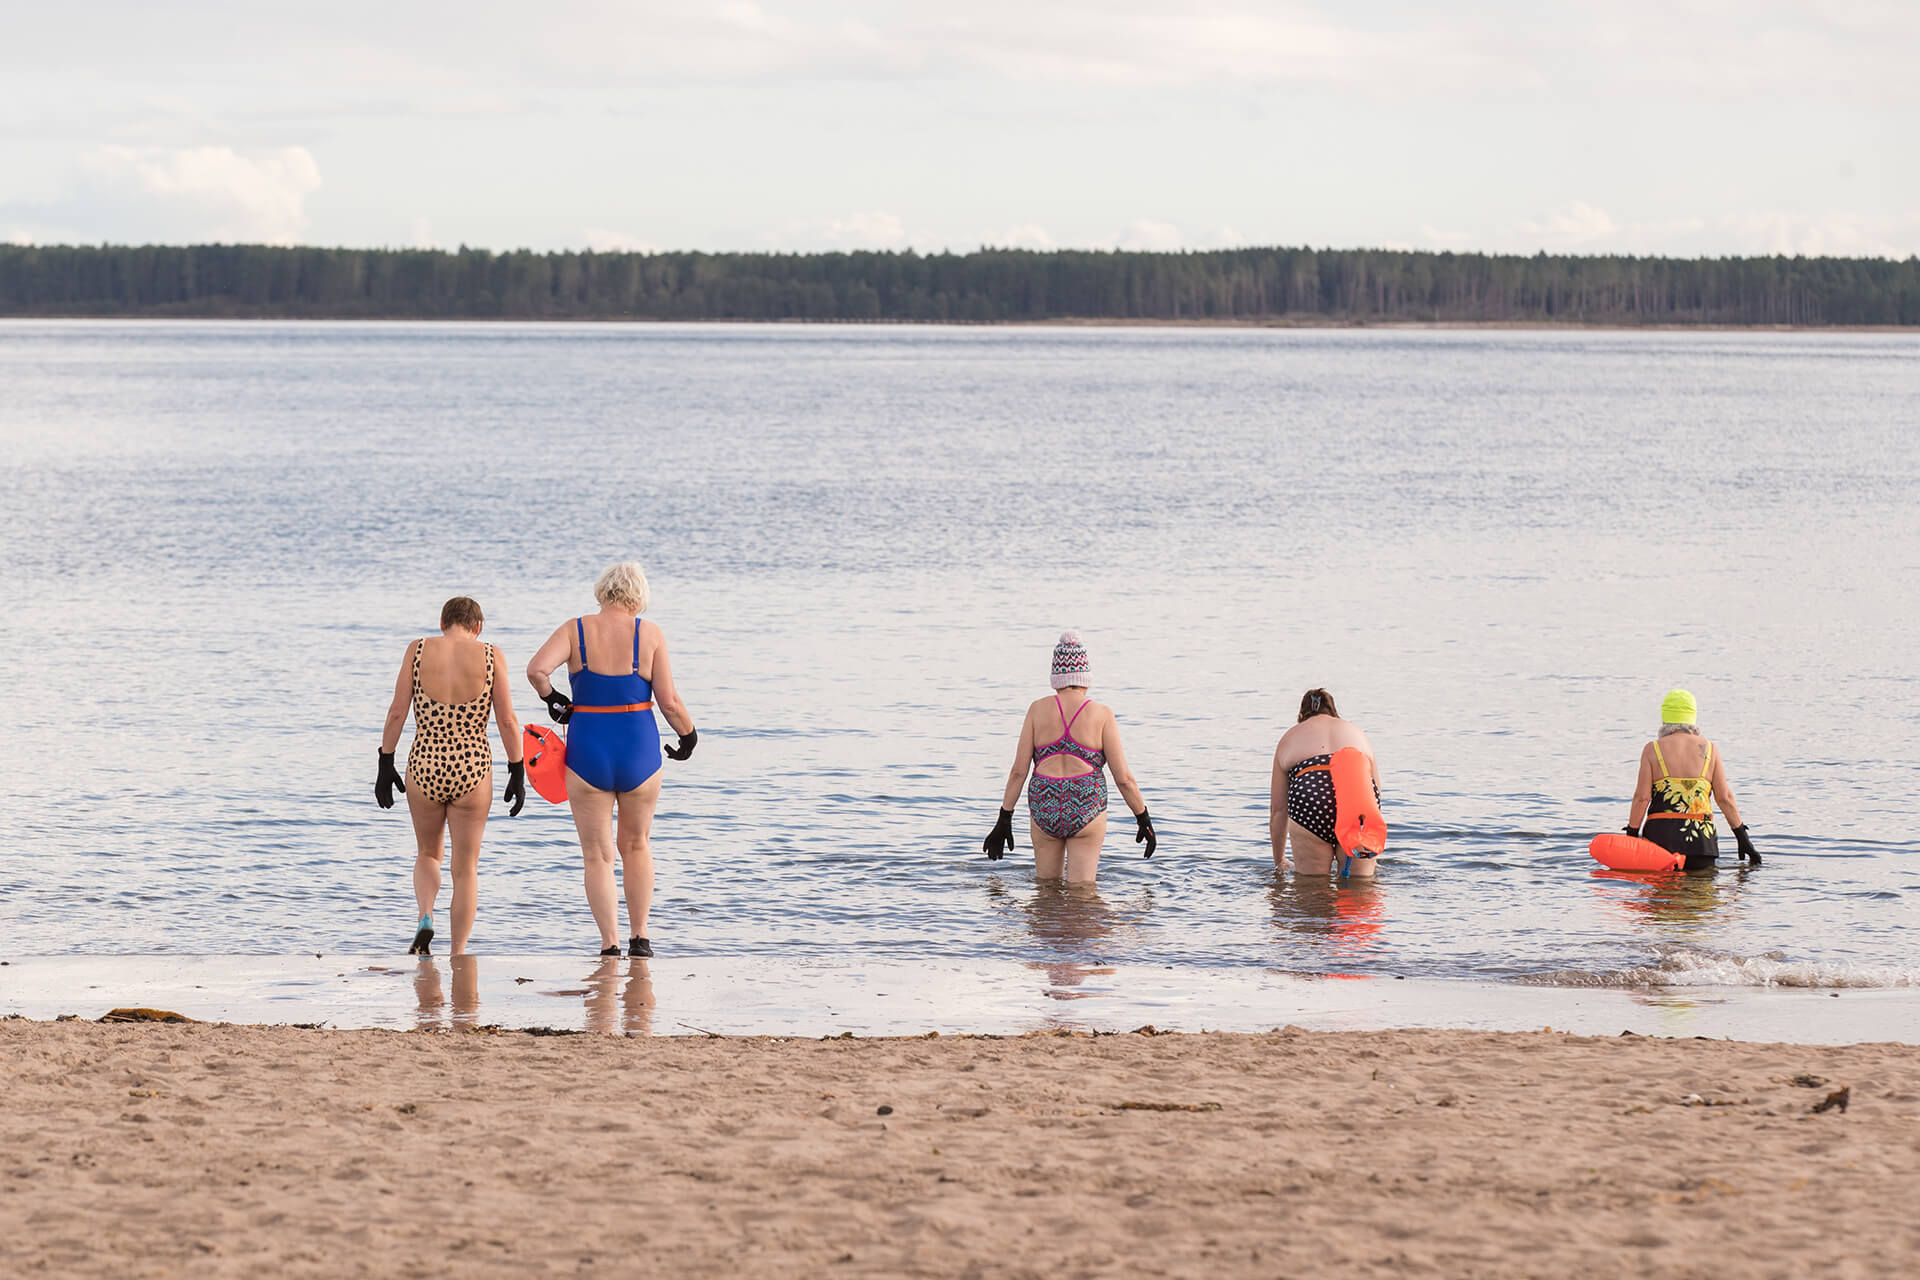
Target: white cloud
column 1843, row 235
column 420, row 235
column 1575, row 225
column 1438, row 239
column 1148, row 235
column 199, row 193
column 868, row 231
column 21, row 238
column 1027, row 235
column 601, row 240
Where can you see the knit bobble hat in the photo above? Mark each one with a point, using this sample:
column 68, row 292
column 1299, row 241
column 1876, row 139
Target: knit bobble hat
column 1070, row 662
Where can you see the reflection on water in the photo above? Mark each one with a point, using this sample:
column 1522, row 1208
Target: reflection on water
column 1688, row 903
column 616, row 1001
column 430, row 993
column 1344, row 918
column 620, row 1002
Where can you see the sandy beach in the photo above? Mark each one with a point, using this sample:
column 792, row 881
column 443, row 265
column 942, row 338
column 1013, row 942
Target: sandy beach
column 162, row 1150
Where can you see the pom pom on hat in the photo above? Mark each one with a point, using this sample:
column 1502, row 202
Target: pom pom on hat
column 1070, row 667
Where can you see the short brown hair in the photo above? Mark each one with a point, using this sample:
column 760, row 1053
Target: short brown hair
column 1315, row 702
column 461, row 611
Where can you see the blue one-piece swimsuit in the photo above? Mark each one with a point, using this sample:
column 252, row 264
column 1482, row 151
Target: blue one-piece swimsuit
column 613, row 741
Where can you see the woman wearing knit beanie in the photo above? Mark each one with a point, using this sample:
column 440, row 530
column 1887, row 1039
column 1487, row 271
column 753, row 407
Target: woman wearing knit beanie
column 1065, row 742
column 1681, row 775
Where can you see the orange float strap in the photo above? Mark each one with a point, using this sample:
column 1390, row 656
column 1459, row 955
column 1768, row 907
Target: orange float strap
column 546, row 756
column 611, row 711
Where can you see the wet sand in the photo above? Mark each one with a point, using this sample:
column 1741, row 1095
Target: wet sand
column 145, row 1150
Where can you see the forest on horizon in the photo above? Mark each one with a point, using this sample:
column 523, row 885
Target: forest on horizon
column 1266, row 285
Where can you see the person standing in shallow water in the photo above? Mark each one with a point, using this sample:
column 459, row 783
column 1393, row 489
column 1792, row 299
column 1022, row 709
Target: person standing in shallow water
column 1065, row 742
column 450, row 682
column 1681, row 775
column 1301, row 811
column 618, row 671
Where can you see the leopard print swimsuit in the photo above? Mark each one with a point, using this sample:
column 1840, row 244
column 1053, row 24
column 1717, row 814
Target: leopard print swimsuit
column 451, row 754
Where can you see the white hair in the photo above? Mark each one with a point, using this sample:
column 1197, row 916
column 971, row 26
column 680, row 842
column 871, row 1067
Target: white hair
column 622, row 585
column 1668, row 730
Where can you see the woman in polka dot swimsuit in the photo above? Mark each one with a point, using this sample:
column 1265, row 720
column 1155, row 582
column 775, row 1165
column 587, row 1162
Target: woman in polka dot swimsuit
column 1301, row 810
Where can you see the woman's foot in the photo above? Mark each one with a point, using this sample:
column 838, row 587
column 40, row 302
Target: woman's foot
column 423, row 937
column 613, row 950
column 640, row 947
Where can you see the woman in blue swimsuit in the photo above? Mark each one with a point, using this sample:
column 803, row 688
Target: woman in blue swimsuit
column 1065, row 742
column 618, row 672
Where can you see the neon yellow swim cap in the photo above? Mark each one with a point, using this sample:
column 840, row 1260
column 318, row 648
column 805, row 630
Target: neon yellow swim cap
column 1678, row 707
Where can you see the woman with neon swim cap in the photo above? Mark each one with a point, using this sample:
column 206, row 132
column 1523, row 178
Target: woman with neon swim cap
column 1681, row 775
column 1065, row 742
column 450, row 682
column 618, row 672
column 1301, row 806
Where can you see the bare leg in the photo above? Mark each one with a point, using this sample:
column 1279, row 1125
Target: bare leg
column 466, row 823
column 1315, row 857
column 636, row 850
column 429, row 839
column 1049, row 854
column 1083, row 851
column 593, row 819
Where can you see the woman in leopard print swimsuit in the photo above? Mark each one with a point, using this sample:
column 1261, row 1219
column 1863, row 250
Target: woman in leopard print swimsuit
column 449, row 683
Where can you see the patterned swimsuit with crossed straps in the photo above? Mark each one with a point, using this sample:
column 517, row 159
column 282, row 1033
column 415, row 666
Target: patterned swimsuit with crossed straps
column 1680, row 812
column 1062, row 807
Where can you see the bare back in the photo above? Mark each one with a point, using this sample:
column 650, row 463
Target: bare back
column 610, row 643
column 453, row 669
column 1091, row 723
column 1319, row 736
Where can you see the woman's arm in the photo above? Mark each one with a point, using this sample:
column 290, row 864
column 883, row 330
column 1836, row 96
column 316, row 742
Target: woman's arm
column 665, row 696
column 1723, row 792
column 1022, row 762
column 1642, row 790
column 503, row 714
column 548, row 658
column 1277, row 806
column 402, row 702
column 1117, row 763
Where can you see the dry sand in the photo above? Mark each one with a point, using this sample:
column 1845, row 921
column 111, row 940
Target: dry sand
column 217, row 1150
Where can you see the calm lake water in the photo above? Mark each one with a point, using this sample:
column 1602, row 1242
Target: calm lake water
column 1498, row 549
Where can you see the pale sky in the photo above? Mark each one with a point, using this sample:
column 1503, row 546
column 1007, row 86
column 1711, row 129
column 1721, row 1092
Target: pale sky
column 1644, row 126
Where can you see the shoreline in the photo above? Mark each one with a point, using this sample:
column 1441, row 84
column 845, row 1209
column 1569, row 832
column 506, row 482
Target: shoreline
column 758, row 995
column 1062, row 322
column 206, row 1150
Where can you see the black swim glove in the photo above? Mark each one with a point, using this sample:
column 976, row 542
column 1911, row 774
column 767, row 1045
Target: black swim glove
column 1145, row 833
column 387, row 781
column 559, row 706
column 684, row 748
column 1632, row 831
column 999, row 841
column 516, row 793
column 1747, row 852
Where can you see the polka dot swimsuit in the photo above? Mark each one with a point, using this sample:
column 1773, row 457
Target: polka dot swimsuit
column 1310, row 800
column 450, row 755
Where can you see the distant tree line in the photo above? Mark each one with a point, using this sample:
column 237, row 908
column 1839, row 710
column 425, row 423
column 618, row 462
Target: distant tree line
column 1255, row 285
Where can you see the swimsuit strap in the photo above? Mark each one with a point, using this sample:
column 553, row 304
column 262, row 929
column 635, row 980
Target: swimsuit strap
column 582, row 633
column 1068, row 731
column 1664, row 771
column 419, row 647
column 636, row 646
column 489, row 685
column 1706, row 764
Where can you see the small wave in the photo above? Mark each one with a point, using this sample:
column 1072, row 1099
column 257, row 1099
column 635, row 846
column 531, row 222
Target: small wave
column 1685, row 967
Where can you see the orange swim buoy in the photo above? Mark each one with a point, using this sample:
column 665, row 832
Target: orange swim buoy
column 1622, row 852
column 1358, row 826
column 546, row 753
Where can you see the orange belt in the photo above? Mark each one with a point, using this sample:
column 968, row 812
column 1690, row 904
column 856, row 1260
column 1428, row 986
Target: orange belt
column 1653, row 816
column 631, row 706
